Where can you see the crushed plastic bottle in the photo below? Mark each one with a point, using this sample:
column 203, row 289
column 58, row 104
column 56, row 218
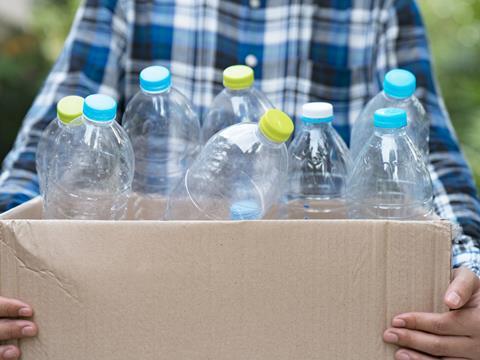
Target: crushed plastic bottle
column 244, row 162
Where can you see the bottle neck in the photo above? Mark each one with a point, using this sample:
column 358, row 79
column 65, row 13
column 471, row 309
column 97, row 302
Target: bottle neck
column 155, row 93
column 396, row 99
column 71, row 124
column 98, row 123
column 266, row 141
column 313, row 125
column 390, row 132
column 240, row 92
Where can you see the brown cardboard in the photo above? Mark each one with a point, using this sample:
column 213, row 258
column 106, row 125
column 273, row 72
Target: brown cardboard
column 267, row 290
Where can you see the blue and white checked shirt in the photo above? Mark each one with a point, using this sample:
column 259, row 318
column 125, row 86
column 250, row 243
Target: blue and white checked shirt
column 302, row 50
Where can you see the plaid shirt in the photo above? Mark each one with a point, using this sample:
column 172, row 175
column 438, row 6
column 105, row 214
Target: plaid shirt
column 302, row 50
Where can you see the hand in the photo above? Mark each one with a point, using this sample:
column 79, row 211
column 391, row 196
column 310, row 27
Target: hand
column 454, row 335
column 13, row 327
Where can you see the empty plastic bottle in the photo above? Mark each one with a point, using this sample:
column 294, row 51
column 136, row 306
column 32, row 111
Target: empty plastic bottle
column 389, row 179
column 56, row 134
column 318, row 163
column 91, row 173
column 238, row 102
column 398, row 92
column 245, row 162
column 165, row 134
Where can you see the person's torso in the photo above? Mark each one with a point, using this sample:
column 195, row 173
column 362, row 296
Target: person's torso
column 300, row 50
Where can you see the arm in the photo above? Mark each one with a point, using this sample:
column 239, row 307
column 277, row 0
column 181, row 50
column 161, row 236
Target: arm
column 455, row 333
column 92, row 61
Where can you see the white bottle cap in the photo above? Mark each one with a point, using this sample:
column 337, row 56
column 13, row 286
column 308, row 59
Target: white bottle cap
column 317, row 112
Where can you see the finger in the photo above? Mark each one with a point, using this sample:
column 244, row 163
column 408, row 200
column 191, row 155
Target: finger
column 14, row 308
column 9, row 352
column 432, row 345
column 16, row 329
column 405, row 354
column 463, row 285
column 449, row 323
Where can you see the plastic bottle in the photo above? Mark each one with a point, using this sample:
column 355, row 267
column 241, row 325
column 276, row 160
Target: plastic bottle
column 69, row 115
column 319, row 163
column 238, row 102
column 245, row 162
column 398, row 92
column 165, row 134
column 389, row 179
column 92, row 170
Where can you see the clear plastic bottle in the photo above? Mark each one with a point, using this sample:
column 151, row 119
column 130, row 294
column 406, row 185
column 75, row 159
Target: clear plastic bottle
column 165, row 134
column 91, row 173
column 239, row 102
column 69, row 115
column 318, row 163
column 245, row 162
column 389, row 179
column 398, row 92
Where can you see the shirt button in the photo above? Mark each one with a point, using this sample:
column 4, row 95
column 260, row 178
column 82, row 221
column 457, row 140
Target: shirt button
column 255, row 4
column 251, row 60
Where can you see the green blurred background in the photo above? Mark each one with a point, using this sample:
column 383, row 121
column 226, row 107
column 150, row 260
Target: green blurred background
column 32, row 34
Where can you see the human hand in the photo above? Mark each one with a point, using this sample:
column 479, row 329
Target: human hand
column 454, row 335
column 12, row 326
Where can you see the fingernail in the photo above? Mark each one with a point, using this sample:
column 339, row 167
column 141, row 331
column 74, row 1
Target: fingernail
column 390, row 337
column 29, row 331
column 10, row 354
column 25, row 312
column 400, row 323
column 403, row 356
column 453, row 298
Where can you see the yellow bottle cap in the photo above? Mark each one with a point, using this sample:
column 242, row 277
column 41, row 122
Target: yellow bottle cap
column 276, row 125
column 70, row 108
column 238, row 77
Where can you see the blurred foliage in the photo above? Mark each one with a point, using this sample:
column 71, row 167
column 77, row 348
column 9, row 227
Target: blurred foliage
column 454, row 27
column 26, row 56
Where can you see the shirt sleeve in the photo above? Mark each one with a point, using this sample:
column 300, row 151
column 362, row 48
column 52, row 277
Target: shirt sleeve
column 404, row 43
column 91, row 61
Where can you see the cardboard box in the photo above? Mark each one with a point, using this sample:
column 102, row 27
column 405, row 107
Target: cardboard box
column 266, row 290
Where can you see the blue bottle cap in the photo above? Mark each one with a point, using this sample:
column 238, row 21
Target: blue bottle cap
column 399, row 84
column 100, row 108
column 154, row 79
column 390, row 118
column 245, row 210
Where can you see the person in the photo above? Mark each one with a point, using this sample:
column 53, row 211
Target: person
column 301, row 51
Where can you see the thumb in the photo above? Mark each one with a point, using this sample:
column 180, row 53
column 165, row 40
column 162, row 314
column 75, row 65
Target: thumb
column 463, row 285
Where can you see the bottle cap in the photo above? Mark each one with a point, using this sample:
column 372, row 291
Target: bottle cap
column 238, row 77
column 317, row 112
column 69, row 108
column 399, row 84
column 155, row 79
column 276, row 126
column 390, row 118
column 245, row 210
column 100, row 108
